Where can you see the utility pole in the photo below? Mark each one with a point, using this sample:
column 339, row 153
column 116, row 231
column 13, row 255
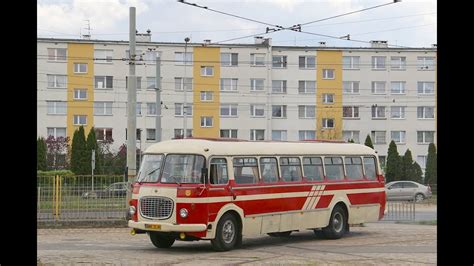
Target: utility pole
column 158, row 98
column 185, row 113
column 131, row 107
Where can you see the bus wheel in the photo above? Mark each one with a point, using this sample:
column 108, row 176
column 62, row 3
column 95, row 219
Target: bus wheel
column 280, row 234
column 160, row 240
column 228, row 233
column 337, row 224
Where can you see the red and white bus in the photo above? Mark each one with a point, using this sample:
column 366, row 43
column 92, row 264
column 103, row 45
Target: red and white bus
column 222, row 190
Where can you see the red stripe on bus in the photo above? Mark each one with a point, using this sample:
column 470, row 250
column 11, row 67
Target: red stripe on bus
column 366, row 198
column 324, row 201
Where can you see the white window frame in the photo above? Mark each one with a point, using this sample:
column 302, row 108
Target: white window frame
column 375, row 88
column 305, row 134
column 376, row 61
column 282, row 111
column 283, row 135
column 230, row 62
column 55, row 81
column 230, row 133
column 189, row 132
column 104, row 132
column 326, row 122
column 421, row 160
column 77, row 120
column 328, row 98
column 353, row 63
column 257, row 59
column 253, row 134
column 398, row 63
column 101, row 56
column 306, row 57
column 207, row 71
column 181, row 108
column 401, row 136
column 282, row 88
column 279, row 61
column 305, row 87
column 232, row 109
column 424, row 89
column 254, row 85
column 401, row 87
column 304, row 111
column 351, row 85
column 150, row 57
column 150, row 137
column 183, row 59
column 397, row 114
column 55, row 132
column 150, row 83
column 78, row 93
column 181, row 82
column 56, row 57
column 233, row 85
column 56, row 106
column 327, row 73
column 253, row 110
column 80, row 68
column 423, row 65
column 139, row 82
column 352, row 134
column 374, row 135
column 105, row 84
column 423, row 134
column 355, row 112
column 206, row 96
column 150, row 107
column 105, row 106
column 424, row 112
column 206, row 121
column 375, row 110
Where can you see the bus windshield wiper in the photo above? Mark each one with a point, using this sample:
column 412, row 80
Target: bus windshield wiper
column 149, row 173
column 176, row 180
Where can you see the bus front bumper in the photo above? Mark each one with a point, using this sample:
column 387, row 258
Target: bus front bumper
column 167, row 227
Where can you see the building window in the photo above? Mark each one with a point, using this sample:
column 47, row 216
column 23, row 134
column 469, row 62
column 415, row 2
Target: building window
column 138, row 55
column 351, row 87
column 328, row 74
column 382, row 160
column 425, row 112
column 179, row 110
column 257, row 84
column 351, row 135
column 425, row 87
column 150, row 83
column 229, row 59
column 139, row 83
column 57, row 54
column 257, row 59
column 378, row 62
column 279, row 61
column 103, row 108
column 56, row 132
column 150, row 57
column 139, row 109
column 278, row 111
column 138, row 134
column 151, row 109
column 80, row 68
column 229, row 84
column 278, row 86
column 56, row 107
column 328, row 98
column 150, row 134
column 350, row 62
column 379, row 137
column 206, row 96
column 398, row 87
column 183, row 59
column 80, row 120
column 229, row 110
column 378, row 87
column 257, row 110
column 307, row 62
column 421, row 160
column 103, row 134
column 307, row 134
column 257, row 134
column 378, row 111
column 181, row 83
column 228, row 133
column 425, row 137
column 103, row 56
column 57, row 81
column 426, row 63
column 103, row 82
column 306, row 111
column 328, row 123
column 350, row 112
column 397, row 112
column 279, row 135
column 398, row 136
column 306, row 86
column 206, row 121
column 178, row 133
column 80, row 94
column 398, row 63
column 207, row 71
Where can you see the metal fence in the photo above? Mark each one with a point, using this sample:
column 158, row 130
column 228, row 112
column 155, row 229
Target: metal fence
column 400, row 210
column 81, row 198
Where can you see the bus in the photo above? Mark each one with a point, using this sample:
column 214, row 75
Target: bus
column 222, row 190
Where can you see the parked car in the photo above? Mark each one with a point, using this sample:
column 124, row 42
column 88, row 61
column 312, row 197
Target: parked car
column 115, row 190
column 407, row 190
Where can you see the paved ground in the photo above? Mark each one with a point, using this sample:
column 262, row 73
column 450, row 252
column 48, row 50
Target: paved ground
column 372, row 244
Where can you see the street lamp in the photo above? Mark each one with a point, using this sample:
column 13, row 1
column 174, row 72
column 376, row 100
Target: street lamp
column 185, row 113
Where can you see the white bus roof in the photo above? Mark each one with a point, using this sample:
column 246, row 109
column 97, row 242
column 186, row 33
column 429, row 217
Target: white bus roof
column 231, row 147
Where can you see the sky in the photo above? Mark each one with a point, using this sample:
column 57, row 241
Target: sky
column 411, row 23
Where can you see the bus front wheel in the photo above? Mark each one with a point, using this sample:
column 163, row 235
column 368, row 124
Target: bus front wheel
column 337, row 224
column 228, row 233
column 160, row 240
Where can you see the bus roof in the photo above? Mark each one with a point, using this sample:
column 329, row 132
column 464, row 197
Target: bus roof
column 209, row 147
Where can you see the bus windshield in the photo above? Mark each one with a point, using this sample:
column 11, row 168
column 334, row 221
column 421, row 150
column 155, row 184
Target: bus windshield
column 150, row 168
column 183, row 168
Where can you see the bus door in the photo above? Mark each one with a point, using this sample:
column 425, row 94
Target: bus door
column 218, row 185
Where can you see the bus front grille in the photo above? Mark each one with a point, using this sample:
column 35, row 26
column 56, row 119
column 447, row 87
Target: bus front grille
column 156, row 207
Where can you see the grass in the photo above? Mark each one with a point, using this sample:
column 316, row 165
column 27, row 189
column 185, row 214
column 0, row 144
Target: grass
column 430, row 222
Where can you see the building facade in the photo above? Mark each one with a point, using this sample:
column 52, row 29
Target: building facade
column 246, row 91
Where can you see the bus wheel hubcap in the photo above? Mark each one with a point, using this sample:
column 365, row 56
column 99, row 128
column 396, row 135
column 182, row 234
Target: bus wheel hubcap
column 228, row 231
column 337, row 222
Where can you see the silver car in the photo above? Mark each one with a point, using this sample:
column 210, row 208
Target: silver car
column 407, row 190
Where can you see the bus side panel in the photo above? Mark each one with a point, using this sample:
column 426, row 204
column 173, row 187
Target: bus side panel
column 252, row 226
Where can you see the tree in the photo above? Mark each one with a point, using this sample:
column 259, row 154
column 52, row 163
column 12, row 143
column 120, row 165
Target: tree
column 431, row 171
column 393, row 165
column 92, row 145
column 407, row 172
column 417, row 173
column 368, row 142
column 106, row 156
column 56, row 152
column 79, row 152
column 41, row 154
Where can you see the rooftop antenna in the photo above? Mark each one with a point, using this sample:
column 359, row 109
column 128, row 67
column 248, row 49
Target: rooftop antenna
column 88, row 35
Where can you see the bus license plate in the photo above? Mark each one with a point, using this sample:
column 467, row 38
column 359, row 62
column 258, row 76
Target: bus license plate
column 153, row 226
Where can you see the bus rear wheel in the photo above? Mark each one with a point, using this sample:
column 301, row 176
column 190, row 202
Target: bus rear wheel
column 161, row 240
column 337, row 224
column 228, row 235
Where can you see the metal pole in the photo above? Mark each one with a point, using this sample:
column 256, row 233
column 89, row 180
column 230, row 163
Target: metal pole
column 132, row 102
column 158, row 99
column 93, row 168
column 185, row 113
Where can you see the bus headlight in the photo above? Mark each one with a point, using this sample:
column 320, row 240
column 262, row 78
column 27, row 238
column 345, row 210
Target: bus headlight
column 183, row 213
column 132, row 210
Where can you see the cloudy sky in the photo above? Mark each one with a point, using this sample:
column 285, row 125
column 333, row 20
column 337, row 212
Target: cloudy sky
column 410, row 23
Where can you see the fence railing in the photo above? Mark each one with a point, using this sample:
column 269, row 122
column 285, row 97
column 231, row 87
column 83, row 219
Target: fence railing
column 81, row 198
column 400, row 210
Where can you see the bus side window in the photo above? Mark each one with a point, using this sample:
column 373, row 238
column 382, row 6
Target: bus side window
column 245, row 170
column 354, row 168
column 290, row 169
column 219, row 171
column 313, row 168
column 269, row 169
column 369, row 165
column 334, row 168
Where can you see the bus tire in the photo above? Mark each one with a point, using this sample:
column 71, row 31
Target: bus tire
column 337, row 224
column 228, row 234
column 161, row 240
column 280, row 234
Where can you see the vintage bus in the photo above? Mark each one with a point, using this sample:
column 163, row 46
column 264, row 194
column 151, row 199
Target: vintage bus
column 222, row 190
